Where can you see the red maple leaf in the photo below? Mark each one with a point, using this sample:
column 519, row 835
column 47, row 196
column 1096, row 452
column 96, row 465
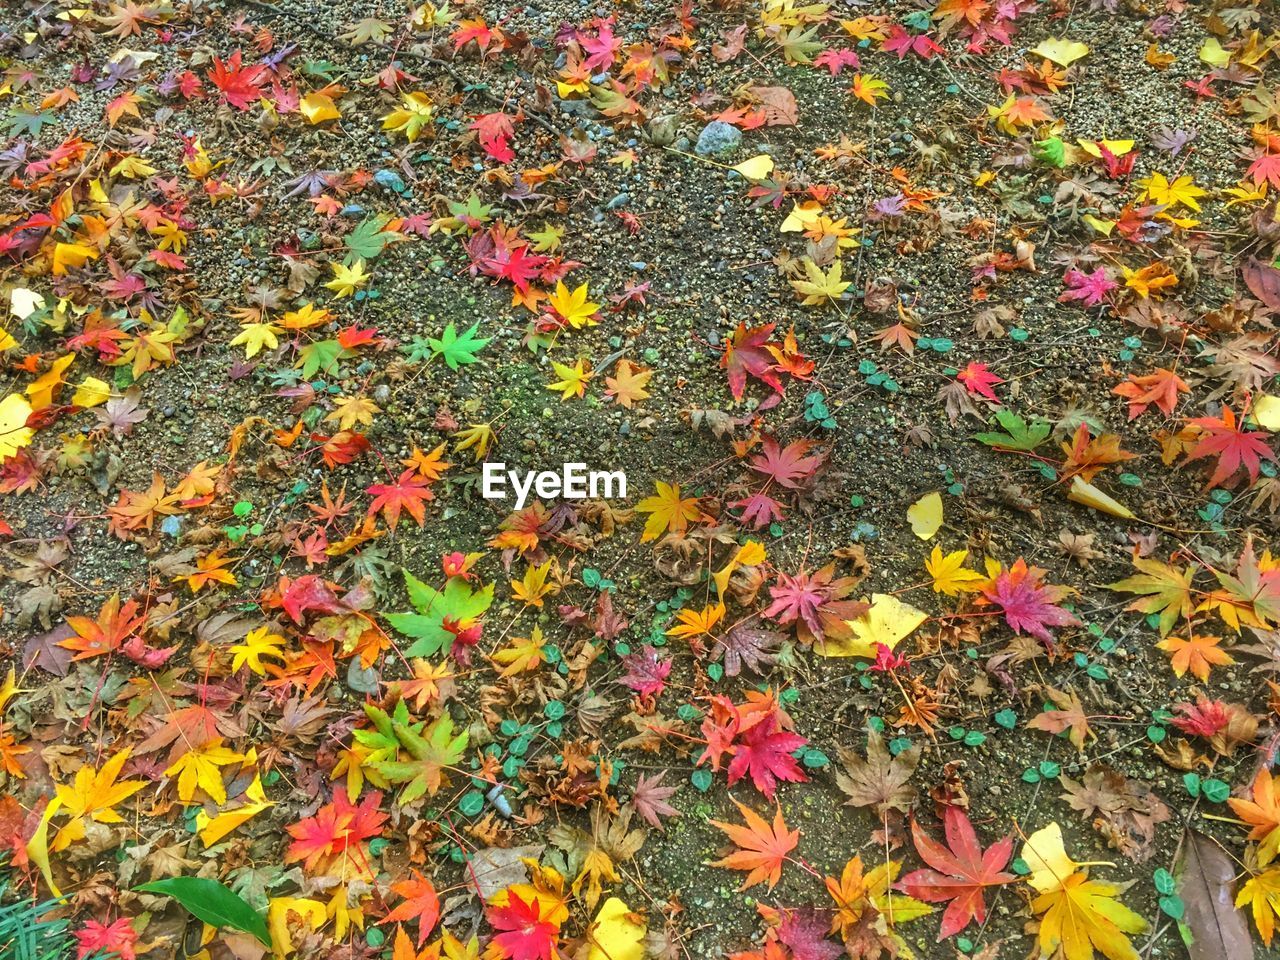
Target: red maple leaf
column 1266, row 169
column 959, row 873
column 804, row 930
column 747, row 354
column 476, row 30
column 602, row 48
column 1029, row 604
column 650, row 799
column 116, row 938
column 409, row 492
column 1204, row 718
column 757, row 736
column 978, row 380
column 524, row 933
column 495, row 132
column 239, row 86
column 1090, row 289
column 420, row 904
column 764, row 752
column 1160, row 387
column 1234, row 448
column 336, row 829
column 787, row 465
column 515, row 264
column 305, row 594
column 902, row 43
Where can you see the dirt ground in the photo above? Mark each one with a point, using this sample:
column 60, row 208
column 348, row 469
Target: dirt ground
column 970, row 258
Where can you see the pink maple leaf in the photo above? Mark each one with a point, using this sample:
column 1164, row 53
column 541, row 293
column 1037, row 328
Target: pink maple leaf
column 1029, row 604
column 646, row 674
column 788, row 465
column 837, row 60
column 1090, row 289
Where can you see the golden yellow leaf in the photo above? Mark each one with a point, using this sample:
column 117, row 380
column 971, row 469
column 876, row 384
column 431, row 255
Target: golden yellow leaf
column 925, row 515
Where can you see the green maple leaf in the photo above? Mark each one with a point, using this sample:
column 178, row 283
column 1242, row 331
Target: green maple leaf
column 456, row 603
column 1018, row 435
column 368, row 239
column 382, row 739
column 320, row 357
column 457, row 349
column 432, row 751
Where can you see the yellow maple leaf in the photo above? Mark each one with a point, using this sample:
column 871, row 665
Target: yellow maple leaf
column 533, row 586
column 695, row 623
column 93, row 794
column 477, row 438
column 949, row 573
column 668, row 513
column 818, row 287
column 347, row 280
column 574, row 308
column 573, row 380
column 524, row 654
column 869, row 89
column 214, row 829
column 255, row 337
column 258, row 643
column 349, row 411
column 429, row 466
column 199, row 768
column 411, row 117
column 1150, row 279
column 1181, row 191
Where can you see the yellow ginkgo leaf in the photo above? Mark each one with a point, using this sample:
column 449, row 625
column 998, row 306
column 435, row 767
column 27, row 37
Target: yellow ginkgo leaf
column 802, row 217
column 312, row 912
column 91, row 392
column 754, row 168
column 14, row 432
column 889, row 621
column 1103, row 227
column 925, row 515
column 617, row 933
column 1062, row 52
column 1211, row 52
column 1266, row 410
column 43, row 390
column 1090, row 496
column 1046, row 854
column 24, row 302
column 318, row 107
column 1117, row 148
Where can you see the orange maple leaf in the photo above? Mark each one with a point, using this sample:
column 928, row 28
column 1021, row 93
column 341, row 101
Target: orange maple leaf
column 107, row 633
column 764, row 848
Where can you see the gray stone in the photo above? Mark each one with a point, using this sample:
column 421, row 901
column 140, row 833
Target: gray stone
column 717, row 137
